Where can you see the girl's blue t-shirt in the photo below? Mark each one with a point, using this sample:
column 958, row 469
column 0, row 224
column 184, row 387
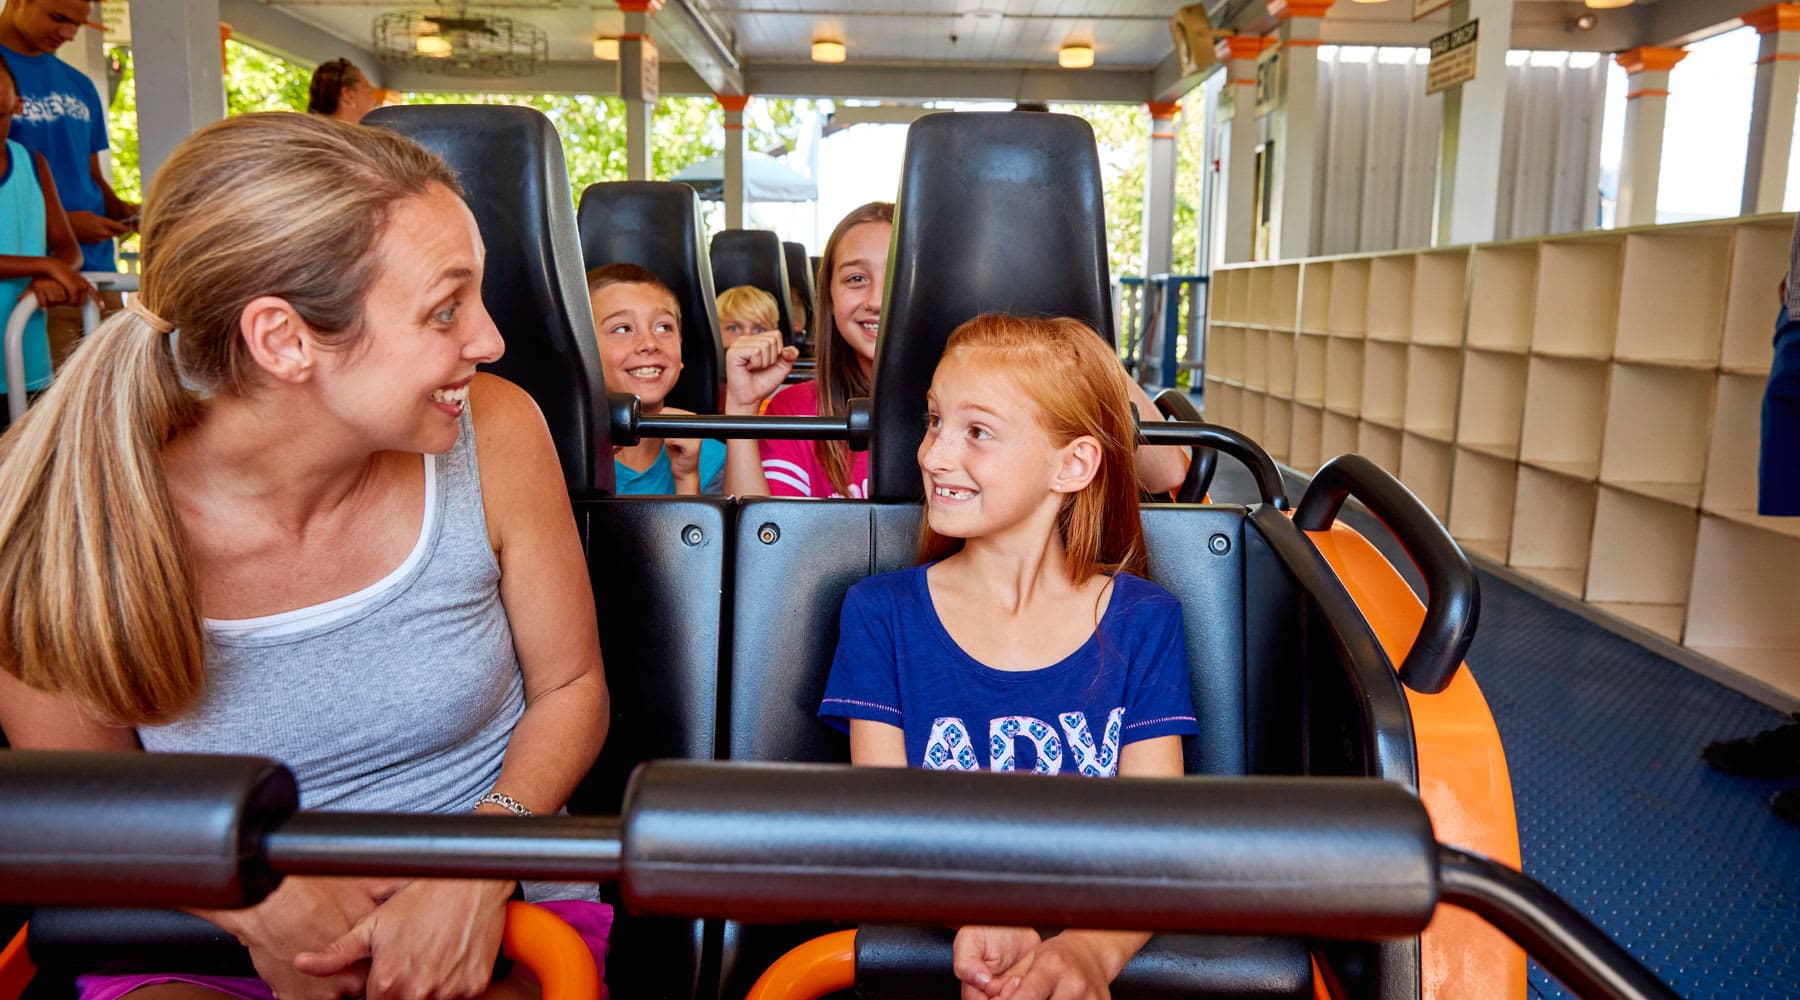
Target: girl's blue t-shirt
column 896, row 663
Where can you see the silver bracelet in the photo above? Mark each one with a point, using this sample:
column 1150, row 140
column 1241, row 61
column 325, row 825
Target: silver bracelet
column 504, row 801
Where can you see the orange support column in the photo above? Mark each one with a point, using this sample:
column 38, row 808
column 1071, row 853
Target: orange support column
column 1298, row 126
column 1772, row 109
column 1240, row 53
column 734, row 157
column 640, row 81
column 1646, row 109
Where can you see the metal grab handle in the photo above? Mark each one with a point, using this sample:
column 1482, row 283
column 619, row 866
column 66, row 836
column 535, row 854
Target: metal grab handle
column 1452, row 591
column 629, row 425
column 1175, row 403
column 1191, row 434
column 105, row 281
column 15, row 354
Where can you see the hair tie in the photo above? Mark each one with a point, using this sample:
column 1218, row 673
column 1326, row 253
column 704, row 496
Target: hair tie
column 135, row 305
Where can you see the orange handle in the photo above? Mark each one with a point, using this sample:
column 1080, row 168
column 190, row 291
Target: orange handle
column 16, row 969
column 812, row 970
column 540, row 941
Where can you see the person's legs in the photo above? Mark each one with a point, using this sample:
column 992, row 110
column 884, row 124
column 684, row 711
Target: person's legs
column 63, row 327
column 1772, row 753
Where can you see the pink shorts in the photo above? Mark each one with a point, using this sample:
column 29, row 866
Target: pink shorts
column 593, row 921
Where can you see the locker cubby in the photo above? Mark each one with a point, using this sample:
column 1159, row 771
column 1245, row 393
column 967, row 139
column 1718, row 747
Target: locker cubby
column 1432, row 375
column 1384, row 383
column 1219, row 307
column 1228, row 362
column 1759, row 253
column 1237, row 284
column 1223, row 402
column 1278, row 414
column 1657, row 421
column 1439, row 281
column 1284, row 298
column 1741, row 612
column 1337, row 436
column 1281, row 363
column 1315, row 298
column 1256, row 359
column 1672, row 297
column 1343, row 374
column 1306, row 444
column 1390, row 298
column 1250, row 415
column 1215, row 349
column 1349, row 309
column 1565, row 416
column 1552, row 524
column 1732, row 454
column 1492, row 404
column 1577, row 295
column 1425, row 469
column 1481, row 502
column 1642, row 560
column 1309, row 370
column 1500, row 298
column 1379, row 444
column 1257, row 299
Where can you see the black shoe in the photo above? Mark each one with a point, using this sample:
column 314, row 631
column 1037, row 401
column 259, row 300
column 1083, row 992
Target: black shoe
column 1772, row 753
column 1786, row 804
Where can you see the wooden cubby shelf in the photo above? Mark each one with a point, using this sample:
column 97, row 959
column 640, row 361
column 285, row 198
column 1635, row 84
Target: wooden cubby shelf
column 1501, row 284
column 1348, row 314
column 1565, row 415
column 1425, row 469
column 1379, row 444
column 1577, row 298
column 1343, row 374
column 1315, row 297
column 1432, row 379
column 1742, row 608
column 1390, row 299
column 1585, row 408
column 1491, row 407
column 1732, row 455
column 1309, row 370
column 1337, row 436
column 1672, row 298
column 1384, row 383
column 1481, row 502
column 1553, row 523
column 1656, row 431
column 1440, row 281
column 1305, row 449
column 1642, row 560
column 1759, row 256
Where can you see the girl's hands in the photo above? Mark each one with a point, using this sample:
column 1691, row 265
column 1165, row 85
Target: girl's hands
column 755, row 367
column 1073, row 965
column 60, row 285
column 432, row 938
column 303, row 914
column 983, row 953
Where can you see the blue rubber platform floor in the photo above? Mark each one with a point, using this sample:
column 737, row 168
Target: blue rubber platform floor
column 1685, row 867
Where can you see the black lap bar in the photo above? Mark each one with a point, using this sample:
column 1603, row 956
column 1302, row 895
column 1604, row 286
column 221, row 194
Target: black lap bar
column 138, row 828
column 1320, row 858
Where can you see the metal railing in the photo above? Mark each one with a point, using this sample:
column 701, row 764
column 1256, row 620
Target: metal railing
column 105, row 281
column 1161, row 323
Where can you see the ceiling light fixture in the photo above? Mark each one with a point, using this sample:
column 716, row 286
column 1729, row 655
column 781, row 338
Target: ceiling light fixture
column 1075, row 55
column 827, row 51
column 435, row 46
column 606, row 49
column 1609, row 4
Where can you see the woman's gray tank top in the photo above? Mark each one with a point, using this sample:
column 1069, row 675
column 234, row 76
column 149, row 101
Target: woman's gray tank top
column 398, row 698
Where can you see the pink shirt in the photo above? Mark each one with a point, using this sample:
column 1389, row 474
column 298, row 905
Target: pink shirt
column 792, row 467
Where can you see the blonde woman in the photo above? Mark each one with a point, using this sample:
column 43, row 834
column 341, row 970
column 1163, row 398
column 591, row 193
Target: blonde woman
column 273, row 509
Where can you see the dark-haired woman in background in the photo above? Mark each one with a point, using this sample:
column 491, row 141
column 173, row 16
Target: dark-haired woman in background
column 340, row 90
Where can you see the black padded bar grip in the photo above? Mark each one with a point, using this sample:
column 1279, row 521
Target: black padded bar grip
column 137, row 828
column 1550, row 930
column 1205, row 462
column 575, row 848
column 1452, row 591
column 629, row 425
column 771, row 842
column 1251, row 454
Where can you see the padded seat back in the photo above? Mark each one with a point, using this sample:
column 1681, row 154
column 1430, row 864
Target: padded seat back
column 656, row 225
column 800, row 279
column 510, row 163
column 997, row 211
column 754, row 257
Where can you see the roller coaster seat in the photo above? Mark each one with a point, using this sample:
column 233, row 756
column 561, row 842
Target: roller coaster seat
column 800, row 279
column 656, row 225
column 755, row 257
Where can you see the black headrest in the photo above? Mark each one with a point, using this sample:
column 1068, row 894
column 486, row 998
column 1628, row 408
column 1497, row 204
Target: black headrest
column 998, row 211
column 656, row 225
column 754, row 257
column 510, row 163
column 800, row 277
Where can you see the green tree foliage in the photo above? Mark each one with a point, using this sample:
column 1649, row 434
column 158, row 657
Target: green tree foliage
column 1122, row 132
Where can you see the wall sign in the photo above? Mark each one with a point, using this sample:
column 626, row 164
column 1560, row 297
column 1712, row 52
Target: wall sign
column 1426, row 8
column 1452, row 58
column 1268, row 80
